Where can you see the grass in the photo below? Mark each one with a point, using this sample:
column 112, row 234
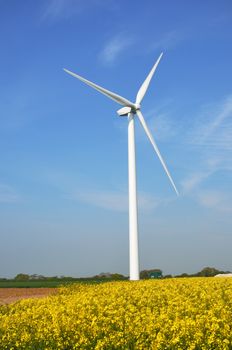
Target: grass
column 48, row 284
column 30, row 284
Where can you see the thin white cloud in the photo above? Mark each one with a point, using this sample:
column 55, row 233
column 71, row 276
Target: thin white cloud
column 211, row 141
column 8, row 194
column 167, row 41
column 214, row 128
column 212, row 136
column 160, row 123
column 162, row 126
column 217, row 200
column 114, row 48
column 193, row 181
column 146, row 202
column 115, row 201
column 64, row 9
column 56, row 9
column 193, row 186
column 107, row 200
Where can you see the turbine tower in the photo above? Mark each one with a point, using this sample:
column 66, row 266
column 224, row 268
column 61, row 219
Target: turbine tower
column 130, row 110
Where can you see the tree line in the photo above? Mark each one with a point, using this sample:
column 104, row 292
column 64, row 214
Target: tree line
column 144, row 274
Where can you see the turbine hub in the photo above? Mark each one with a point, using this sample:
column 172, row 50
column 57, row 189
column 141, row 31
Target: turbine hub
column 137, row 106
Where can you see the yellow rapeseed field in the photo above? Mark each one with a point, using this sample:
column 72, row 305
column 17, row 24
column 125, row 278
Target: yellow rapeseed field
column 194, row 313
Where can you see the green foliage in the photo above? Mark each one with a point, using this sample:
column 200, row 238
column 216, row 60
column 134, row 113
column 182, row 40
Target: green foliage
column 22, row 277
column 117, row 276
column 205, row 272
column 39, row 281
column 154, row 273
column 209, row 272
column 23, row 280
column 30, row 284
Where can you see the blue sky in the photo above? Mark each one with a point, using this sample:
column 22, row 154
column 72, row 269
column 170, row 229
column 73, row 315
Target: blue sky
column 63, row 150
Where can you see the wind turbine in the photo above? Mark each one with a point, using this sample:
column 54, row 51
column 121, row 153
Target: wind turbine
column 130, row 110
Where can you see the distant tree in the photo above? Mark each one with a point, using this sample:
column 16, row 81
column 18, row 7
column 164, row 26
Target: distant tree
column 103, row 275
column 108, row 275
column 22, row 277
column 144, row 274
column 117, row 276
column 205, row 272
column 183, row 275
column 209, row 272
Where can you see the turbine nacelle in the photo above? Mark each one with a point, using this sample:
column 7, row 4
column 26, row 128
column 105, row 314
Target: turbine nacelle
column 124, row 111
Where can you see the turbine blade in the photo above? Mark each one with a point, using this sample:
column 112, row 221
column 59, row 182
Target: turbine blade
column 117, row 98
column 144, row 86
column 144, row 125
